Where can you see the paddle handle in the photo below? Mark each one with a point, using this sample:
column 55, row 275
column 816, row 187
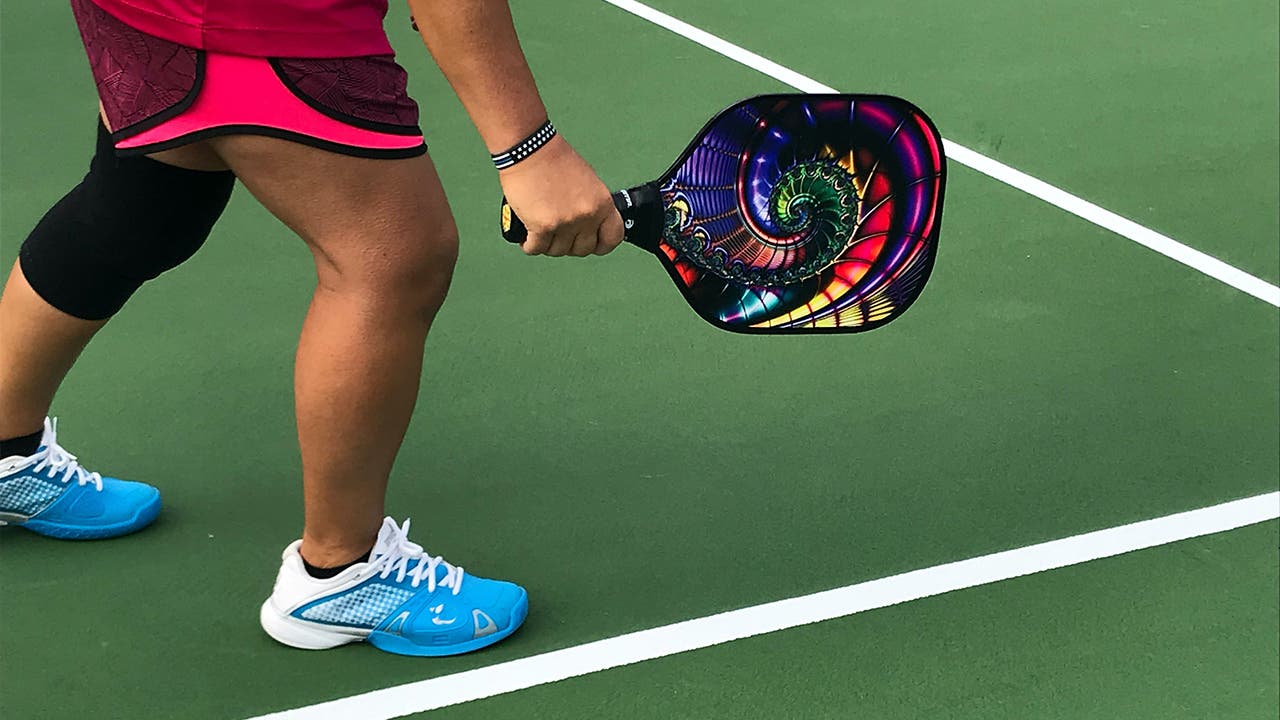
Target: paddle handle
column 640, row 208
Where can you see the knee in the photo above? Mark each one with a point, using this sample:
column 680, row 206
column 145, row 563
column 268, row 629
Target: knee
column 128, row 221
column 423, row 281
column 404, row 275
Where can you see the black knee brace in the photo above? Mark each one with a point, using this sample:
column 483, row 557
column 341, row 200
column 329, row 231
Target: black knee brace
column 129, row 220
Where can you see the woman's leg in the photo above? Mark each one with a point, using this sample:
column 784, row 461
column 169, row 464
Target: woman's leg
column 384, row 244
column 40, row 342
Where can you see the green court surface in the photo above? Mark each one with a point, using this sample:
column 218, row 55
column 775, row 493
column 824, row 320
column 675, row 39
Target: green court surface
column 581, row 432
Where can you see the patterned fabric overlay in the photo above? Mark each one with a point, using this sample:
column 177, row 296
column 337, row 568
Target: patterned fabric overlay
column 364, row 607
column 372, row 88
column 27, row 494
column 138, row 76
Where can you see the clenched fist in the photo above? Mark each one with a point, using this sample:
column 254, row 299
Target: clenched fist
column 562, row 202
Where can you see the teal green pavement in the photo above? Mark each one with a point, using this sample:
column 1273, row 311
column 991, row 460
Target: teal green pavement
column 1170, row 633
column 582, row 432
column 1164, row 113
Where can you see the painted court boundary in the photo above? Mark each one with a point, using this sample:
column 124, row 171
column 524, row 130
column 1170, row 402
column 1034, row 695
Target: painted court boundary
column 994, row 169
column 724, row 627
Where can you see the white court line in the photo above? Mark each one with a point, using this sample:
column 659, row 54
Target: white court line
column 1057, row 197
column 724, row 627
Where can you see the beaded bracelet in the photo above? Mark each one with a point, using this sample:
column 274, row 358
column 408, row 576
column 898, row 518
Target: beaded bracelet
column 525, row 148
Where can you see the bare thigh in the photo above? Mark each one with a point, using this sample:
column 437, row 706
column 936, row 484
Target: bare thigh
column 360, row 216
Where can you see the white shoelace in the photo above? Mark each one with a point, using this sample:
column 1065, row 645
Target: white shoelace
column 395, row 549
column 60, row 462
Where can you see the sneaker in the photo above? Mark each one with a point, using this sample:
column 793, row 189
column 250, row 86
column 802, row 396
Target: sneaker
column 403, row 601
column 51, row 494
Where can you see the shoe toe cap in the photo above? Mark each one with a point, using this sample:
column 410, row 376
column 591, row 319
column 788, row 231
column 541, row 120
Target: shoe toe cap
column 506, row 603
column 119, row 501
column 519, row 606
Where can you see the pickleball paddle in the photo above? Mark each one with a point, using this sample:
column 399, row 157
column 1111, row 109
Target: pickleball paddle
column 795, row 213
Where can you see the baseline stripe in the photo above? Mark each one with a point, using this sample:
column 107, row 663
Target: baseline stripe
column 725, row 627
column 1081, row 208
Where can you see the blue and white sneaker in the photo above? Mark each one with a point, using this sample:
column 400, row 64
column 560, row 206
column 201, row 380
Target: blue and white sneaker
column 51, row 494
column 402, row 600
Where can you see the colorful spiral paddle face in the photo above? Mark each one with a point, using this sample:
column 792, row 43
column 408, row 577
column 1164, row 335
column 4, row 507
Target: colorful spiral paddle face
column 805, row 213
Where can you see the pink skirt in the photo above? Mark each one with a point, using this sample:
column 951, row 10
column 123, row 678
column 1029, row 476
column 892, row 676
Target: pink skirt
column 157, row 94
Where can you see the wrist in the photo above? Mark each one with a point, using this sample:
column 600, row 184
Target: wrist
column 550, row 153
column 525, row 148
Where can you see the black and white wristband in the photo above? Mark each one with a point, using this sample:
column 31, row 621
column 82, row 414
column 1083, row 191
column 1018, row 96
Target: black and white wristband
column 525, row 148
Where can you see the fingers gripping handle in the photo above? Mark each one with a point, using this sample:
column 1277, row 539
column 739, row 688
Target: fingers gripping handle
column 640, row 208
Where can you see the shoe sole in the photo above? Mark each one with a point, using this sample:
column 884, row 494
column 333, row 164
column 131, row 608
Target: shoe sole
column 144, row 516
column 289, row 631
